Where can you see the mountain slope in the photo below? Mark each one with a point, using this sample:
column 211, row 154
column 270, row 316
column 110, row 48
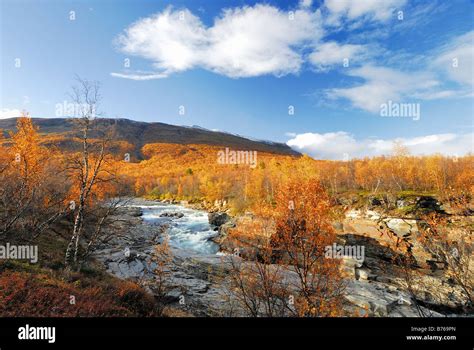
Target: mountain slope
column 142, row 133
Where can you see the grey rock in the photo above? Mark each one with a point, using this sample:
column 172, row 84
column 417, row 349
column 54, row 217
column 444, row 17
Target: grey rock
column 218, row 219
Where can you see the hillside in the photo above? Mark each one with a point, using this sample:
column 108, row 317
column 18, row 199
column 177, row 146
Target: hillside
column 139, row 134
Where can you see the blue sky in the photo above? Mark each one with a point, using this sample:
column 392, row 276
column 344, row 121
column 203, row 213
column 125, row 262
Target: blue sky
column 243, row 66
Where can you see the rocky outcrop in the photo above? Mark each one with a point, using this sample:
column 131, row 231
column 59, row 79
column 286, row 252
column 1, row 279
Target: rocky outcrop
column 222, row 222
column 382, row 300
column 370, row 223
column 218, row 218
column 199, row 284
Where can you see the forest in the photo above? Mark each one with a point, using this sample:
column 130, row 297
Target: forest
column 63, row 201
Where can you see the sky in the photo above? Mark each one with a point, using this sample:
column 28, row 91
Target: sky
column 335, row 79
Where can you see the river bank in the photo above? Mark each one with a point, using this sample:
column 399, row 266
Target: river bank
column 198, row 273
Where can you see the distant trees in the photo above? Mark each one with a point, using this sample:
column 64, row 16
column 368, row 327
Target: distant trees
column 246, row 188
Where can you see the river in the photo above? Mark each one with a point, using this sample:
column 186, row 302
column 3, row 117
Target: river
column 191, row 231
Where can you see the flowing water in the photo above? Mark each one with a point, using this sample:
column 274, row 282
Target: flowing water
column 191, row 231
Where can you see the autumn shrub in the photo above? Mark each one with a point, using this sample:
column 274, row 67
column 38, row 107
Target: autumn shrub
column 39, row 294
column 134, row 298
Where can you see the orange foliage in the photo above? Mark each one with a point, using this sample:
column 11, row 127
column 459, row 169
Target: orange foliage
column 41, row 295
column 187, row 172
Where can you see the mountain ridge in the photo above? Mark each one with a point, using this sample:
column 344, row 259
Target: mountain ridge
column 139, row 133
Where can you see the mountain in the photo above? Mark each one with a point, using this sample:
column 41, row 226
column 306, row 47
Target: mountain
column 142, row 133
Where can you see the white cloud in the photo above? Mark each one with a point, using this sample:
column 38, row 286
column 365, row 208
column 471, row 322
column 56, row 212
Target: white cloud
column 243, row 42
column 384, row 84
column 375, row 10
column 170, row 39
column 331, row 145
column 9, row 113
column 259, row 40
column 457, row 59
column 332, row 53
column 139, row 76
column 336, row 145
column 306, row 3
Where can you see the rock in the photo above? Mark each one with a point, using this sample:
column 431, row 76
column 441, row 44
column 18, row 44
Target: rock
column 401, row 203
column 348, row 266
column 402, row 227
column 224, row 229
column 429, row 203
column 372, row 215
column 373, row 201
column 362, row 274
column 351, row 261
column 172, row 215
column 376, row 299
column 135, row 212
column 218, row 218
column 171, row 296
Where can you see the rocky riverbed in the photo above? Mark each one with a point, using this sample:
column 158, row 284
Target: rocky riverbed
column 198, row 274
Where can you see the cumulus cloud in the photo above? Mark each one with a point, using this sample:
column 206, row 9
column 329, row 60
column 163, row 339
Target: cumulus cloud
column 9, row 113
column 242, row 42
column 383, row 84
column 374, row 10
column 169, row 39
column 332, row 53
column 258, row 40
column 331, row 145
column 339, row 145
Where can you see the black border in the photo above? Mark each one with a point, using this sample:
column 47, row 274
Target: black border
column 336, row 332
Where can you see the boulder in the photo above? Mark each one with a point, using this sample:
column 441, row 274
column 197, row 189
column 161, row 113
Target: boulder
column 428, row 203
column 374, row 201
column 218, row 219
column 172, row 215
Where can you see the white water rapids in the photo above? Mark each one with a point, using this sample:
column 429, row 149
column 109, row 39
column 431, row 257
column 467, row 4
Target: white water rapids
column 192, row 231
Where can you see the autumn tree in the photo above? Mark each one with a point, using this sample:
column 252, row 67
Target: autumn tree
column 92, row 170
column 33, row 192
column 303, row 231
column 287, row 272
